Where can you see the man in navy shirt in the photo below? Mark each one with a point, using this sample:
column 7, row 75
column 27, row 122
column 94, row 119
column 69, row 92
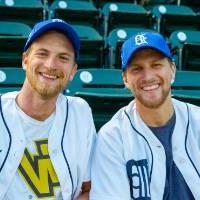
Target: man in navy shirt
column 150, row 148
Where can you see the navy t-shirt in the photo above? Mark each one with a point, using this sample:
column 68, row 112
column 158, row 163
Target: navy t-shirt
column 175, row 186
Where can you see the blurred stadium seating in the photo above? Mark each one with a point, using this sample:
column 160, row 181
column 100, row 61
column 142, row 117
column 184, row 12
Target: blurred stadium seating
column 25, row 11
column 11, row 79
column 92, row 43
column 102, row 26
column 13, row 36
column 101, row 3
column 186, row 87
column 185, row 45
column 75, row 12
column 103, row 89
column 170, row 18
column 119, row 15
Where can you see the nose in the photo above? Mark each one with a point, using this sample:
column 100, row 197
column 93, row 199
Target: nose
column 148, row 74
column 51, row 62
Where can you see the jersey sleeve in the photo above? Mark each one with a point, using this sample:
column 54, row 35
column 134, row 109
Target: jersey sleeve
column 90, row 150
column 109, row 177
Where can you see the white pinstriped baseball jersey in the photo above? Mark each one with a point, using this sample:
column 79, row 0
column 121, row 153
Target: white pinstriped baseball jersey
column 130, row 163
column 70, row 143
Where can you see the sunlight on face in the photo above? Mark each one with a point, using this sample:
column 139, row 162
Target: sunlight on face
column 148, row 76
column 50, row 64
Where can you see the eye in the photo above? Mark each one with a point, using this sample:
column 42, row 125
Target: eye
column 136, row 68
column 41, row 53
column 64, row 58
column 157, row 65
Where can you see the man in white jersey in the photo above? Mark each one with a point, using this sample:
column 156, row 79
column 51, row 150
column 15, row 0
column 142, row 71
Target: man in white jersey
column 46, row 138
column 150, row 148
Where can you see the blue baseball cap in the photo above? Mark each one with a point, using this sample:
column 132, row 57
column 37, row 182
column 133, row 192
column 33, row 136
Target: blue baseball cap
column 54, row 24
column 143, row 40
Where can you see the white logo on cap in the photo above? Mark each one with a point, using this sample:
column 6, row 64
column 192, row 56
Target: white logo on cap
column 57, row 20
column 140, row 39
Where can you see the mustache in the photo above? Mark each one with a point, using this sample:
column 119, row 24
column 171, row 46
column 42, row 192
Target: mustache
column 149, row 82
column 52, row 72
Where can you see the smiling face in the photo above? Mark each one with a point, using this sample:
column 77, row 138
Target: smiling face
column 149, row 76
column 49, row 64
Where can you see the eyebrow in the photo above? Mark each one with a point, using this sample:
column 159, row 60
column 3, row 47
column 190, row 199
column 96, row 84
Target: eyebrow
column 42, row 49
column 61, row 53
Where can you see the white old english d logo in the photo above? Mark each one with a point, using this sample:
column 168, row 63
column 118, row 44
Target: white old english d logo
column 140, row 39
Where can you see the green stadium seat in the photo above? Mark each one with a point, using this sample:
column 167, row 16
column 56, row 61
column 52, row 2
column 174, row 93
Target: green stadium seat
column 51, row 1
column 11, row 79
column 92, row 44
column 114, row 42
column 192, row 3
column 101, row 3
column 125, row 15
column 14, row 29
column 75, row 12
column 103, row 89
column 25, row 11
column 170, row 18
column 151, row 3
column 187, row 87
column 13, row 36
column 185, row 45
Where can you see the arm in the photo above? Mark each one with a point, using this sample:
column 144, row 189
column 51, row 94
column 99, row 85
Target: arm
column 108, row 174
column 85, row 191
column 91, row 138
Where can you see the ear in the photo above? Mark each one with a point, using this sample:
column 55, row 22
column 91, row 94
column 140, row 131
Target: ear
column 124, row 76
column 173, row 67
column 172, row 80
column 24, row 61
column 74, row 70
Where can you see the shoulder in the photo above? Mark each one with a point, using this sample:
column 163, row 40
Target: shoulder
column 75, row 101
column 119, row 120
column 79, row 112
column 194, row 108
column 182, row 104
column 8, row 98
column 78, row 101
column 113, row 129
column 192, row 111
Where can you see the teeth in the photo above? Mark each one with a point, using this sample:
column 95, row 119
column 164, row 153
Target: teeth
column 151, row 87
column 49, row 76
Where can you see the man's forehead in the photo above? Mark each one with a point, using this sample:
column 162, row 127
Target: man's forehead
column 38, row 46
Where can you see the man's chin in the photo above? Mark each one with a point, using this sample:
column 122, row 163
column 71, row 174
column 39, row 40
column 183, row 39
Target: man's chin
column 48, row 93
column 152, row 103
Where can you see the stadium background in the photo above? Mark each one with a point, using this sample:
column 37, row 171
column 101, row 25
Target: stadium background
column 103, row 25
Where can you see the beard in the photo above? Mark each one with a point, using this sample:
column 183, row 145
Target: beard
column 44, row 89
column 153, row 102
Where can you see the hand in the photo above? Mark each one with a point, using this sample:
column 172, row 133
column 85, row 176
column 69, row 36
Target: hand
column 86, row 186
